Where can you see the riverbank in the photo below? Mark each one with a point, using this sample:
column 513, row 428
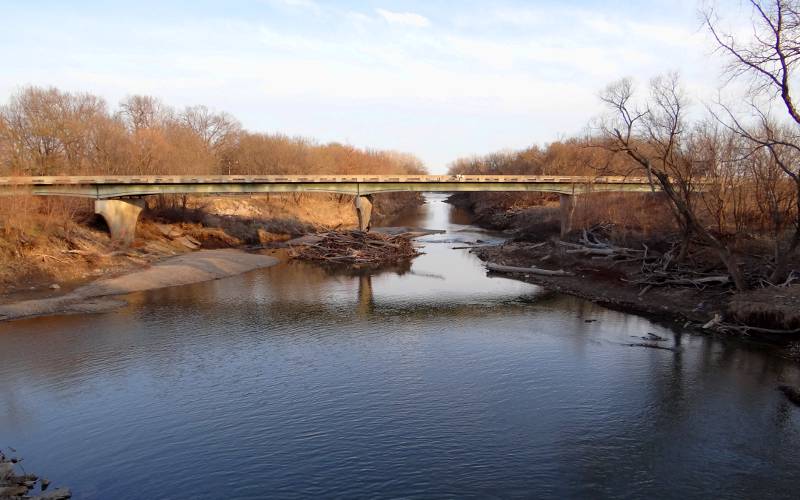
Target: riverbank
column 764, row 315
column 195, row 267
column 66, row 247
column 702, row 299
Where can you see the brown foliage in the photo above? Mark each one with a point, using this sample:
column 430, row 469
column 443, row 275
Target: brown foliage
column 45, row 131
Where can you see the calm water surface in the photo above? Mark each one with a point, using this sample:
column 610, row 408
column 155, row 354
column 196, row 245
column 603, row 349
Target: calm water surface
column 431, row 381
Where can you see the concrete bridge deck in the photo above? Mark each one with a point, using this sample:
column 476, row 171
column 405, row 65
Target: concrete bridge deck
column 119, row 186
column 116, row 195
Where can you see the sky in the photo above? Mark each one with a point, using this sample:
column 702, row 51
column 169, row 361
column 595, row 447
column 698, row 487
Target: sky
column 439, row 79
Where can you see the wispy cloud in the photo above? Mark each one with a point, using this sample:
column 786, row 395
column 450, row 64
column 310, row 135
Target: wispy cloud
column 443, row 82
column 309, row 5
column 404, row 18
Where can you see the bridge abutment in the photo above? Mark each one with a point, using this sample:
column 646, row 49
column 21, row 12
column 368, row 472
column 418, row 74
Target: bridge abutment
column 121, row 217
column 567, row 205
column 364, row 211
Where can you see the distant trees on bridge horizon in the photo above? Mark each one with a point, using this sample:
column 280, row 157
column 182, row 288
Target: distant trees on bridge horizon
column 46, row 131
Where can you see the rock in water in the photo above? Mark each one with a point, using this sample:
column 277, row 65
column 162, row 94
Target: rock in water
column 59, row 494
column 19, row 486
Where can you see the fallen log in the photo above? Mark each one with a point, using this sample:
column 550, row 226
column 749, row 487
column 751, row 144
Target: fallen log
column 754, row 329
column 592, row 251
column 653, row 346
column 471, row 246
column 708, row 280
column 526, row 270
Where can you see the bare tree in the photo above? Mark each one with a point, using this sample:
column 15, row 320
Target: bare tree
column 655, row 138
column 218, row 130
column 143, row 111
column 768, row 60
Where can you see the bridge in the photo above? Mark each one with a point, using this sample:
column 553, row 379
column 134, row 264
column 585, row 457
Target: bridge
column 118, row 198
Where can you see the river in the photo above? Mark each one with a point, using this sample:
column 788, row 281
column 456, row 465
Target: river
column 429, row 381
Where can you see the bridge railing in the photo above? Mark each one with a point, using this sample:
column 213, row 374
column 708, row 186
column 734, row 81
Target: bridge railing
column 281, row 179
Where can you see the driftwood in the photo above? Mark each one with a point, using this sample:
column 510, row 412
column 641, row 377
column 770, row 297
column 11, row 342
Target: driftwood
column 604, row 250
column 526, row 270
column 653, row 346
column 755, row 329
column 651, row 337
column 716, row 323
column 356, row 247
column 713, row 322
column 479, row 245
column 707, row 280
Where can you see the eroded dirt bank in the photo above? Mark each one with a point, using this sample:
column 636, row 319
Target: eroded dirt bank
column 184, row 269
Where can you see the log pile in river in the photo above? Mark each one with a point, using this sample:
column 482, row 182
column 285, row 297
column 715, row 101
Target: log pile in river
column 356, row 247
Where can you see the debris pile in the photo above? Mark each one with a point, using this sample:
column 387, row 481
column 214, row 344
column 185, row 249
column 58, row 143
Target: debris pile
column 356, row 248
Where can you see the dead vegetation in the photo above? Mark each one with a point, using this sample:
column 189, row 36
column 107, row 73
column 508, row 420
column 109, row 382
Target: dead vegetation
column 649, row 279
column 46, row 131
column 718, row 243
column 728, row 181
column 356, row 248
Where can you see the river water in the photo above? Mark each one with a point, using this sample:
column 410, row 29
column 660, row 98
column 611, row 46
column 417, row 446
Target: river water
column 429, row 381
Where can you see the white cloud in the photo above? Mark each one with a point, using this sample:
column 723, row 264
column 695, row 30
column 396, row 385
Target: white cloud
column 404, row 18
column 310, row 5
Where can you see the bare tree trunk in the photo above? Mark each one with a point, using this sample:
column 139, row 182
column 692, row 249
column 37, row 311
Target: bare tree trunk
column 723, row 250
column 782, row 257
column 686, row 242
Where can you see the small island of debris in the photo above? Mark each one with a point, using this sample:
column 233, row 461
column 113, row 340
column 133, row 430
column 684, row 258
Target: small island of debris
column 356, row 248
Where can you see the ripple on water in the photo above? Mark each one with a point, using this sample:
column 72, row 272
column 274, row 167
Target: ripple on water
column 292, row 382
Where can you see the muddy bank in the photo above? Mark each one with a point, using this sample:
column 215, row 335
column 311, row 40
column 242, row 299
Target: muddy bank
column 765, row 315
column 184, row 269
column 628, row 270
column 602, row 284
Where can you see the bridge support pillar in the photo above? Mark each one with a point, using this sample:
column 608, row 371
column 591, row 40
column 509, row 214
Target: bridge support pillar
column 121, row 217
column 567, row 205
column 364, row 211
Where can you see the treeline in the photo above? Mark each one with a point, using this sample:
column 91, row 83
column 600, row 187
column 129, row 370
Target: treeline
column 735, row 192
column 45, row 131
column 575, row 156
column 726, row 180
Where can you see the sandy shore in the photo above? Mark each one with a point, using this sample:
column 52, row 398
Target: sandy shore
column 195, row 267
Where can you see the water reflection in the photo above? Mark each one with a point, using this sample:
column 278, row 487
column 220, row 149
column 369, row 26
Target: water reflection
column 428, row 380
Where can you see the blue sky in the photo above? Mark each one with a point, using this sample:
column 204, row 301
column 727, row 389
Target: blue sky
column 440, row 79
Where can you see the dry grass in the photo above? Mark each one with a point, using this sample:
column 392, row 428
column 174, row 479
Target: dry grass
column 52, row 240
